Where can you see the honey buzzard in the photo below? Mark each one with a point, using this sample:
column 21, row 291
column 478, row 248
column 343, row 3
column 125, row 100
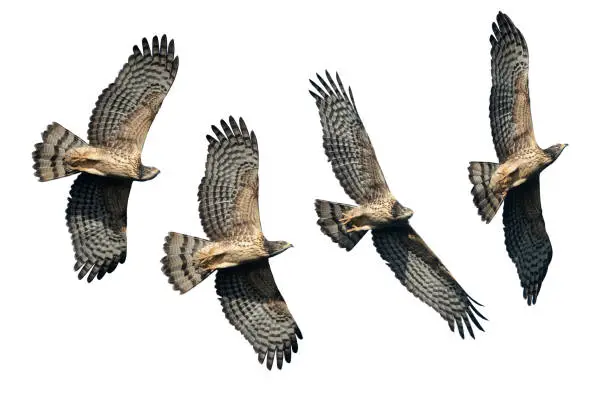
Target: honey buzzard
column 237, row 249
column 97, row 207
column 516, row 179
column 353, row 160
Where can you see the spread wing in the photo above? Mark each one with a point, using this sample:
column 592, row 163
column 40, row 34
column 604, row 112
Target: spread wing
column 97, row 219
column 254, row 306
column 228, row 194
column 526, row 239
column 125, row 110
column 509, row 108
column 346, row 142
column 424, row 275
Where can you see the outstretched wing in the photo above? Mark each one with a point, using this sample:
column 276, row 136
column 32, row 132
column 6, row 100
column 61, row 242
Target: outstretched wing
column 253, row 304
column 97, row 219
column 125, row 110
column 228, row 193
column 526, row 239
column 424, row 275
column 509, row 108
column 346, row 142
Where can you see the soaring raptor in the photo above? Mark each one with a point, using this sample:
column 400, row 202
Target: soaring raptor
column 516, row 179
column 353, row 160
column 97, row 207
column 229, row 211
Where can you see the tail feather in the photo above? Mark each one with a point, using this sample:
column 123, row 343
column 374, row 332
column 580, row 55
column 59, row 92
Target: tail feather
column 485, row 200
column 49, row 155
column 178, row 264
column 330, row 214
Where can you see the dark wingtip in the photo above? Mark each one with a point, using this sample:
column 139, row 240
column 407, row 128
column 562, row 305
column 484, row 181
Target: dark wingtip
column 298, row 333
column 475, row 301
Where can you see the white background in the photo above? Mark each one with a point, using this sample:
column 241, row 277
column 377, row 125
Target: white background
column 421, row 78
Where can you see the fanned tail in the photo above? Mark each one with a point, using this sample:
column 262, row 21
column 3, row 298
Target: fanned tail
column 178, row 264
column 330, row 214
column 49, row 155
column 485, row 199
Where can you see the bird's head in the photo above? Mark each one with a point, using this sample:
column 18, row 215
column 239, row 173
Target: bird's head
column 554, row 151
column 276, row 247
column 401, row 213
column 147, row 173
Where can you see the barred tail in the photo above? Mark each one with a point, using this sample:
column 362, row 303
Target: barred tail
column 49, row 155
column 486, row 201
column 329, row 220
column 178, row 263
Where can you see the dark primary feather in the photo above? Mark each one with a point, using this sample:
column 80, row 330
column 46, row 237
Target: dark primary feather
column 526, row 239
column 126, row 108
column 254, row 306
column 509, row 109
column 97, row 219
column 228, row 193
column 346, row 142
column 424, row 275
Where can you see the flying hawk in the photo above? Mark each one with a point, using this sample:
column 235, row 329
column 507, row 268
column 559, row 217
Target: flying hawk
column 353, row 160
column 516, row 179
column 97, row 207
column 237, row 249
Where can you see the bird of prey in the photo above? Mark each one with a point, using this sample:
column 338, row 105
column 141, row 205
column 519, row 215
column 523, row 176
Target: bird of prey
column 516, row 179
column 97, row 207
column 353, row 160
column 237, row 249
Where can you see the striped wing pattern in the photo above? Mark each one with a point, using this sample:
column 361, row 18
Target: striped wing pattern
column 424, row 275
column 126, row 108
column 228, row 193
column 346, row 142
column 254, row 306
column 97, row 220
column 509, row 106
column 527, row 241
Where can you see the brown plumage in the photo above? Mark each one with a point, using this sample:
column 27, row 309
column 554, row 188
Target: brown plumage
column 516, row 178
column 354, row 162
column 97, row 207
column 237, row 249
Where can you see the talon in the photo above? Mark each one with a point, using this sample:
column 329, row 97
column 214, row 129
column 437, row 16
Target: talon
column 345, row 220
column 353, row 229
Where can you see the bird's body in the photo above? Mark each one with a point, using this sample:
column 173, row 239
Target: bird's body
column 518, row 168
column 111, row 161
column 516, row 179
column 228, row 253
column 383, row 212
column 236, row 248
column 108, row 162
column 354, row 162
